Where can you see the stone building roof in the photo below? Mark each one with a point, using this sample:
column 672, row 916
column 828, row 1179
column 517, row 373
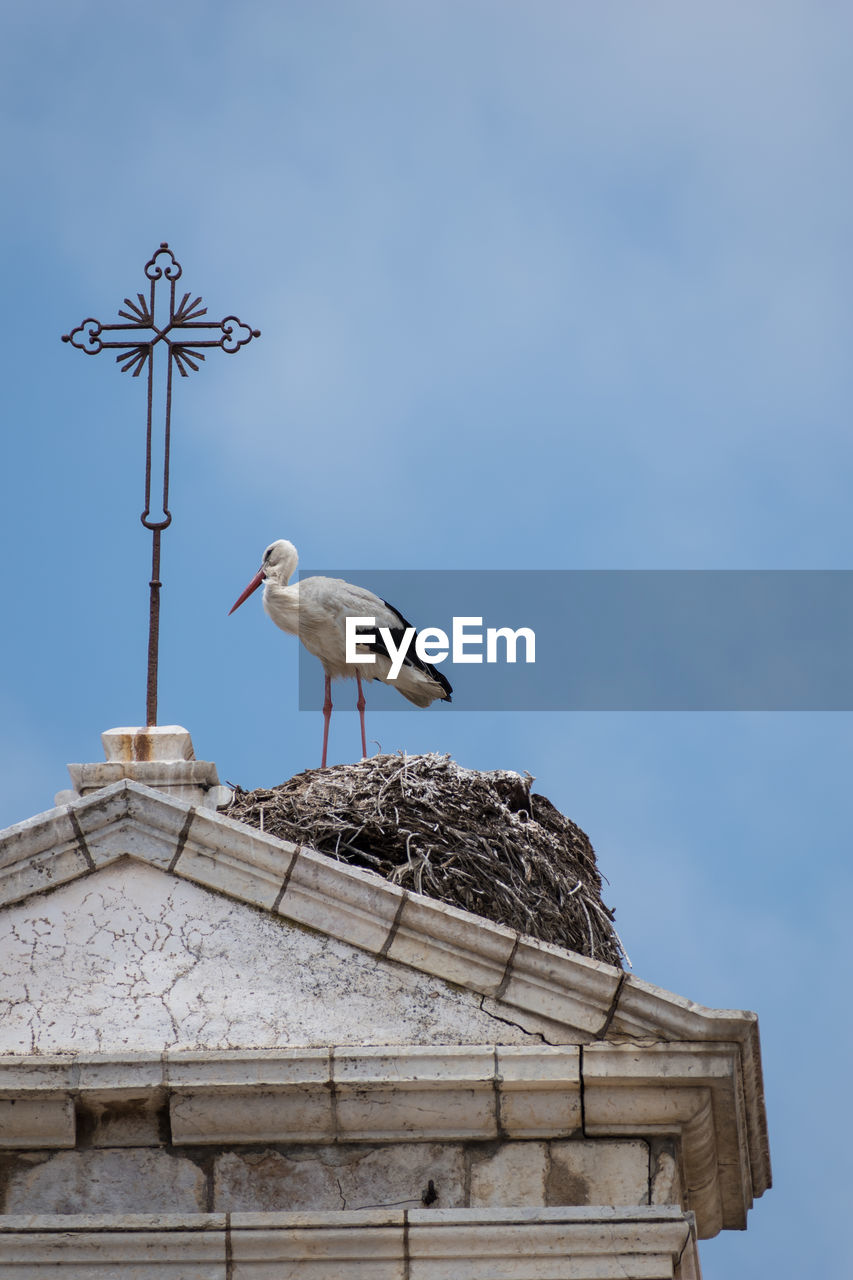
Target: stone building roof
column 392, row 999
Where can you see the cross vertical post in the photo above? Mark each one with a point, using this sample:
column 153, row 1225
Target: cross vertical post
column 148, row 321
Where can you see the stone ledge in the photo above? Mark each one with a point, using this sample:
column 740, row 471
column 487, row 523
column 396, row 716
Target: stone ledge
column 641, row 1005
column 310, row 1095
column 377, row 1095
column 244, row 1069
column 40, row 854
column 465, row 1244
column 690, row 1092
column 142, row 1247
column 574, row 1244
column 563, row 987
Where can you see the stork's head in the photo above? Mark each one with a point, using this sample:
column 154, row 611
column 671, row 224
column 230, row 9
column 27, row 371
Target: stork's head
column 279, row 562
column 278, row 565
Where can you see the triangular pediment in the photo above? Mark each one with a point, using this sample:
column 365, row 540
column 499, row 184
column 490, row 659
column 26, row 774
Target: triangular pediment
column 132, row 840
column 131, row 957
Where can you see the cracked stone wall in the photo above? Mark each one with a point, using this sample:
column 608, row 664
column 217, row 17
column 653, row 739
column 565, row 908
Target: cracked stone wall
column 338, row 1176
column 131, row 957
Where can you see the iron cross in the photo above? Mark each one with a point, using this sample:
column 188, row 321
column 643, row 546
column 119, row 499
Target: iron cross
column 147, row 322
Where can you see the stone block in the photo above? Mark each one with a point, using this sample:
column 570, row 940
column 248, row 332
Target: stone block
column 29, row 1073
column 260, row 1115
column 433, row 1094
column 598, row 1172
column 363, row 906
column 611, row 1110
column 129, row 1246
column 385, row 1114
column 248, row 1068
column 513, row 1174
column 39, row 854
column 139, row 1074
column 539, row 1091
column 36, row 1122
column 452, row 944
column 645, row 1009
column 149, row 742
column 565, row 988
column 340, row 1176
column 666, row 1186
column 119, row 823
column 548, row 1244
column 157, row 756
column 105, row 1181
column 230, row 857
column 441, row 1065
column 316, row 1246
column 268, row 1181
column 399, row 1175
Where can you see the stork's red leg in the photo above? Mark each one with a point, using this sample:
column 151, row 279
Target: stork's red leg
column 360, row 704
column 327, row 715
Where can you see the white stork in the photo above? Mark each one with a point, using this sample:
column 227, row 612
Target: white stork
column 315, row 609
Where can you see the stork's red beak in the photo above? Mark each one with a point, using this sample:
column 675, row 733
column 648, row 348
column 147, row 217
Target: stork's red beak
column 253, row 586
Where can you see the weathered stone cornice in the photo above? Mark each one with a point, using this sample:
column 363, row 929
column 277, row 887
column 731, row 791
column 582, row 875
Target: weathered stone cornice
column 422, row 1244
column 445, row 1093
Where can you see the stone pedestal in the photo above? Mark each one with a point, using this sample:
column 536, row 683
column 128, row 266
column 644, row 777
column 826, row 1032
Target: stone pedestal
column 158, row 756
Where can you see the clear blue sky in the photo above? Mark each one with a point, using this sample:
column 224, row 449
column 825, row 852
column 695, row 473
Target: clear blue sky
column 541, row 285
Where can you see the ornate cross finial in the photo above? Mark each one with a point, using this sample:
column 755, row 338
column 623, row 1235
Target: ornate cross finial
column 183, row 335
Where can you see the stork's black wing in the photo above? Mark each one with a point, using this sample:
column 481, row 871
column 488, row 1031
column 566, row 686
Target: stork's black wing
column 411, row 659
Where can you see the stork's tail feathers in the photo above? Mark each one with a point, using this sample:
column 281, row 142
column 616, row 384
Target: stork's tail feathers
column 418, row 681
column 422, row 687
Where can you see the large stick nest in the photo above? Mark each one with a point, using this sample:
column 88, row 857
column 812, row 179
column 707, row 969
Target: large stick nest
column 480, row 841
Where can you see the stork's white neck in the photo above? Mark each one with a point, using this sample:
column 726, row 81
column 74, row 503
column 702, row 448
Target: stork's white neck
column 281, row 603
